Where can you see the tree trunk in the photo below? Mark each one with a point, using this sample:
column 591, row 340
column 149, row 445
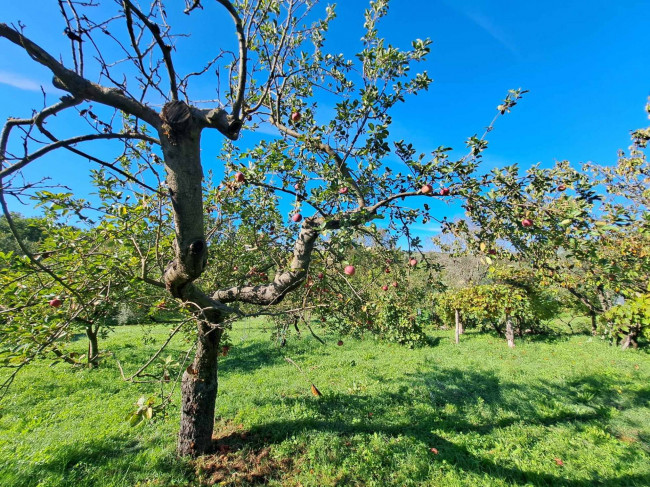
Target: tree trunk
column 457, row 316
column 199, row 394
column 93, row 345
column 630, row 338
column 510, row 334
column 594, row 329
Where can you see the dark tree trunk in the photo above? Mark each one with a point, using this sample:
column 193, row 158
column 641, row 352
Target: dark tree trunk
column 510, row 334
column 199, row 394
column 93, row 345
column 594, row 329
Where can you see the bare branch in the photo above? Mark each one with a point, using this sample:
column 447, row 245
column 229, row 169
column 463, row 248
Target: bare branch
column 243, row 54
column 78, row 86
column 71, row 141
column 165, row 48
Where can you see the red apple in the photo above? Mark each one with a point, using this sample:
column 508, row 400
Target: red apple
column 343, row 190
column 295, row 117
column 297, row 217
column 56, row 302
column 394, row 284
column 387, row 271
column 384, row 288
column 427, row 188
column 561, row 187
column 444, row 192
column 526, row 222
column 413, row 262
column 321, row 275
column 349, row 270
column 296, row 186
column 492, row 252
column 240, row 178
column 340, row 343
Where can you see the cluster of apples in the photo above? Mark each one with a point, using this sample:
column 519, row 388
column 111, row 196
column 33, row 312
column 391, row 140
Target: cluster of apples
column 428, row 189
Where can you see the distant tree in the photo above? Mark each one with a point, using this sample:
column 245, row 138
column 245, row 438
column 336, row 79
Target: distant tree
column 30, row 229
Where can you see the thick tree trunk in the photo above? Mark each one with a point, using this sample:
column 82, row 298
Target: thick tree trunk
column 199, row 394
column 510, row 334
column 458, row 325
column 93, row 345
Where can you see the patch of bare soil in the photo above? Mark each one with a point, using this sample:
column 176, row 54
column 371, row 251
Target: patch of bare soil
column 240, row 458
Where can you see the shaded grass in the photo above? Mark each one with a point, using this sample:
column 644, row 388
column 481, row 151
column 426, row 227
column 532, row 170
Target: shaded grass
column 573, row 411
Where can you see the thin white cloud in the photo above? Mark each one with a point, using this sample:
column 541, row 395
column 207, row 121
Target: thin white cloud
column 492, row 30
column 19, row 81
column 486, row 24
column 425, row 228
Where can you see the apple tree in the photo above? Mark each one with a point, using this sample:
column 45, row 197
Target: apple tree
column 589, row 239
column 334, row 168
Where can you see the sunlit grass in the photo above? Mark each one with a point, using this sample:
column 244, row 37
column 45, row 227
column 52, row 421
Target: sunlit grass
column 569, row 411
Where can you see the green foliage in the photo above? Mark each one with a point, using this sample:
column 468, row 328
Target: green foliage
column 31, row 229
column 486, row 303
column 634, row 314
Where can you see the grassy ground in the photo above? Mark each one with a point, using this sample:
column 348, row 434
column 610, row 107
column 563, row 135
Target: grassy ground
column 566, row 411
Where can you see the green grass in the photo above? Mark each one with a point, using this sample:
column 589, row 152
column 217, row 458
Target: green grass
column 495, row 416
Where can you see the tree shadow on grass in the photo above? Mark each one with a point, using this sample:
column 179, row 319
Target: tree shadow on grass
column 463, row 402
column 114, row 460
column 250, row 357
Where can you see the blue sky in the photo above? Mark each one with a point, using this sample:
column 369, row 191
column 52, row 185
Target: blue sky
column 586, row 64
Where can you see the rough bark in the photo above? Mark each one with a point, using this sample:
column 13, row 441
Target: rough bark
column 510, row 334
column 180, row 139
column 199, row 393
column 93, row 346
